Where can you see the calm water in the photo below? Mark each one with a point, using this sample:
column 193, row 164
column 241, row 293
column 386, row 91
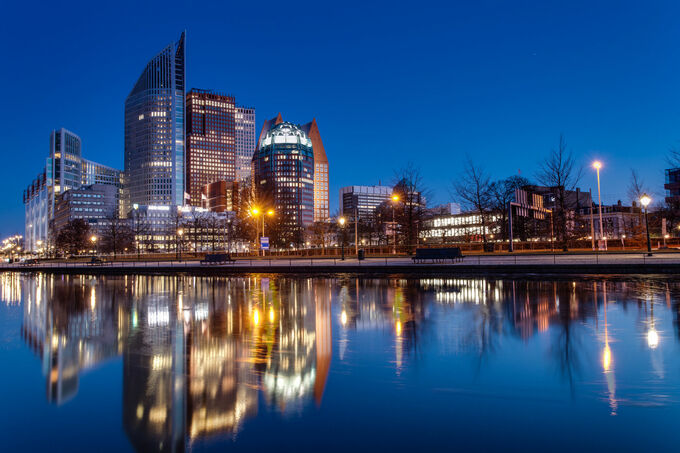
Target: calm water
column 338, row 364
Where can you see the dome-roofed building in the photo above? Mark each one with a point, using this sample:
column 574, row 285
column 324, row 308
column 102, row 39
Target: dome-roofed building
column 283, row 180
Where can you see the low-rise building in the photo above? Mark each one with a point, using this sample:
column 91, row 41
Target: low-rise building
column 220, row 196
column 618, row 221
column 96, row 204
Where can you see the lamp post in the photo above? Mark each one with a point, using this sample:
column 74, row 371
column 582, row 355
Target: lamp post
column 39, row 242
column 644, row 201
column 135, row 207
column 395, row 200
column 93, row 239
column 256, row 212
column 180, row 233
column 342, row 221
column 597, row 165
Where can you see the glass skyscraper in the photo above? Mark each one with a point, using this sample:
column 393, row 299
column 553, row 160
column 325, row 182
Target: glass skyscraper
column 155, row 131
column 283, row 178
column 64, row 170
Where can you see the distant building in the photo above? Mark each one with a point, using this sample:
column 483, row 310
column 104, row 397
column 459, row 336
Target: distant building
column 96, row 204
column 245, row 141
column 364, row 200
column 672, row 185
column 618, row 221
column 283, row 178
column 64, row 169
column 211, row 148
column 155, row 131
column 220, row 196
column 574, row 199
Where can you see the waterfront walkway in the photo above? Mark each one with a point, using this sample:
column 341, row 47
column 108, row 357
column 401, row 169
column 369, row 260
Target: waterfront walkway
column 615, row 263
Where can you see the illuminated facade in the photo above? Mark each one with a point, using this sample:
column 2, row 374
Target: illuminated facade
column 245, row 141
column 462, row 227
column 363, row 200
column 283, row 178
column 155, row 131
column 220, row 196
column 65, row 169
column 321, row 212
column 321, row 172
column 211, row 153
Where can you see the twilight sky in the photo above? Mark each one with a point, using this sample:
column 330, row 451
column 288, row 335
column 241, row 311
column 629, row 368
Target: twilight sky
column 387, row 82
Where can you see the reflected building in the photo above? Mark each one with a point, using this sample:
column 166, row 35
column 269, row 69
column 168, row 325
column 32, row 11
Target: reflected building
column 72, row 325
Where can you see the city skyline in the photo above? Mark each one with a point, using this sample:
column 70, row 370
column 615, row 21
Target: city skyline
column 612, row 100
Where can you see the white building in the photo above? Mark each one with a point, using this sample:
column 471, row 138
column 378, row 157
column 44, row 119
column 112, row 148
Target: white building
column 64, row 169
column 245, row 141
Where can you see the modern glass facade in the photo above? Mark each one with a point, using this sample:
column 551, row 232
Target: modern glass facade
column 211, row 153
column 283, row 178
column 245, row 141
column 64, row 170
column 363, row 200
column 154, row 131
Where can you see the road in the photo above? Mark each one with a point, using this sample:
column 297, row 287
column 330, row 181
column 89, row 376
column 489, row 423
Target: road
column 500, row 263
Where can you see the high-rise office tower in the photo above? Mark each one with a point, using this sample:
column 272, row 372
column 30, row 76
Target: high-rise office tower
column 155, row 129
column 64, row 169
column 321, row 212
column 321, row 172
column 283, row 179
column 211, row 153
column 245, row 141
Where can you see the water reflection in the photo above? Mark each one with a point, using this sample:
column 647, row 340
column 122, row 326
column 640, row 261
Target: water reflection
column 201, row 356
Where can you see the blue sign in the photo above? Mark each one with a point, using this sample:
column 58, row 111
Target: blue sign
column 264, row 243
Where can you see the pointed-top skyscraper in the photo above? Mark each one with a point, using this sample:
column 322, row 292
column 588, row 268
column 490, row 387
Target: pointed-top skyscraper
column 321, row 212
column 155, row 131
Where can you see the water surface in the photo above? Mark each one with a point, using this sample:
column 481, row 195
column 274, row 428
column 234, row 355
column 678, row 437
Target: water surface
column 178, row 363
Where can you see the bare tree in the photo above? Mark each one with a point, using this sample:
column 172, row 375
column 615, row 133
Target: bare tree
column 560, row 173
column 410, row 209
column 473, row 189
column 636, row 187
column 117, row 235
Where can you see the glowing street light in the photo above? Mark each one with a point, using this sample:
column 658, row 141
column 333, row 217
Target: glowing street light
column 395, row 200
column 180, row 233
column 644, row 201
column 597, row 165
column 342, row 221
column 93, row 239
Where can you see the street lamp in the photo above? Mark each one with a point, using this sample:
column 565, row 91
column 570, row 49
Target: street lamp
column 136, row 208
column 40, row 243
column 597, row 165
column 180, row 233
column 255, row 212
column 395, row 200
column 342, row 221
column 93, row 239
column 644, row 201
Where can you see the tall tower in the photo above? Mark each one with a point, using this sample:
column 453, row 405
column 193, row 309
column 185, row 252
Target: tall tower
column 154, row 130
column 211, row 154
column 321, row 212
column 245, row 141
column 283, row 172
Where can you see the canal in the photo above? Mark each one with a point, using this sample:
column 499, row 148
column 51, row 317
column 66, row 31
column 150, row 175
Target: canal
column 266, row 362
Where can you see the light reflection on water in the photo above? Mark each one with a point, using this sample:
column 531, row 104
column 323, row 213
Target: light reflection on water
column 257, row 361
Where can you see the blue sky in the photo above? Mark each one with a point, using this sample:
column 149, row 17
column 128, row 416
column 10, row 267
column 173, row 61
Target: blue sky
column 387, row 82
